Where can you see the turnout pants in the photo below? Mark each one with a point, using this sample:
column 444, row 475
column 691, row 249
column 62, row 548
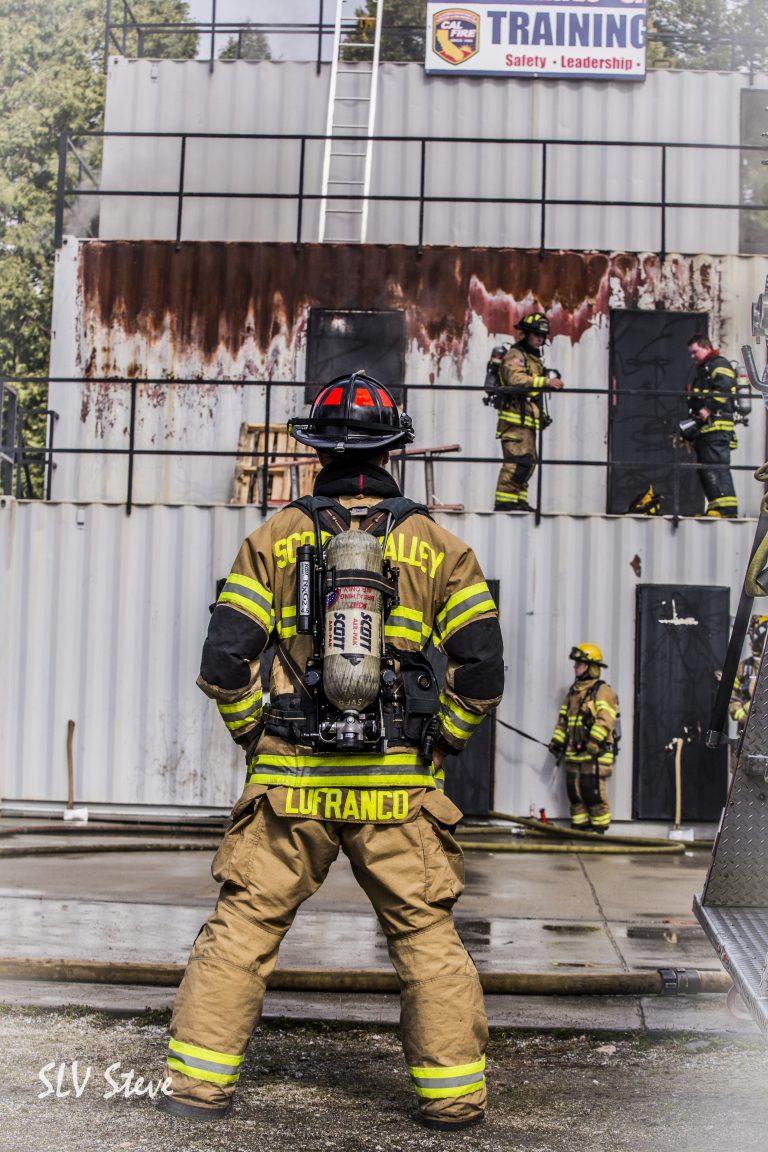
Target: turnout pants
column 518, row 446
column 713, row 448
column 588, row 796
column 412, row 873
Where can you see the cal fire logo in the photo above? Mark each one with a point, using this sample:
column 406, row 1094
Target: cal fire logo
column 455, row 34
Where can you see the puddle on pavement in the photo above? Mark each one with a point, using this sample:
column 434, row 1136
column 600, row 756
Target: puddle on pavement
column 572, row 929
column 672, row 933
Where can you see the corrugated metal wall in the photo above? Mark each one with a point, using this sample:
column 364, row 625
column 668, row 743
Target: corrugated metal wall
column 290, row 98
column 238, row 313
column 105, row 617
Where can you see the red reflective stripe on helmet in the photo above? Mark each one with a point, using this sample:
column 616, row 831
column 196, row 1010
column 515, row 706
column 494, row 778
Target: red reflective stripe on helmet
column 363, row 397
column 385, row 399
column 334, row 396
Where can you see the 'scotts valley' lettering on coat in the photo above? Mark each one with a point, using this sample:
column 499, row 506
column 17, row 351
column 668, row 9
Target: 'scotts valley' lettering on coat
column 401, row 548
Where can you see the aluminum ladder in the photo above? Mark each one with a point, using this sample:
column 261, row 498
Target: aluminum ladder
column 733, row 908
column 348, row 151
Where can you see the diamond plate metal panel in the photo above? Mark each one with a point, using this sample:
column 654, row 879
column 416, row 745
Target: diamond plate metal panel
column 740, row 938
column 738, row 874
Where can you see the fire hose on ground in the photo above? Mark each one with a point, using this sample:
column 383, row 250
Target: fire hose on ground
column 654, row 982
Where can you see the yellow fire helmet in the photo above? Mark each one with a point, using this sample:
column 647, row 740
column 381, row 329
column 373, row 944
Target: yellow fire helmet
column 587, row 654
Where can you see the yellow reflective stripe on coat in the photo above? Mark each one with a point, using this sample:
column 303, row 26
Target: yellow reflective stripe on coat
column 457, row 720
column 204, row 1063
column 404, row 769
column 445, row 1082
column 286, row 625
column 241, row 712
column 407, row 624
column 249, row 595
column 511, row 417
column 723, row 371
column 462, row 606
column 604, row 706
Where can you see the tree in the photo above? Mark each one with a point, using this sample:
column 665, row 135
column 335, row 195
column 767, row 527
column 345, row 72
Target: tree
column 247, row 45
column 51, row 80
column 718, row 35
column 402, row 36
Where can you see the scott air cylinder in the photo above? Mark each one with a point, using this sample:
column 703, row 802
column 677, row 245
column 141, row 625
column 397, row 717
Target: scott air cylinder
column 353, row 622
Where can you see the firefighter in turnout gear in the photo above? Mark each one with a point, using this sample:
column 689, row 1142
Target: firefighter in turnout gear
column 586, row 739
column 350, row 585
column 746, row 676
column 522, row 379
column 711, row 402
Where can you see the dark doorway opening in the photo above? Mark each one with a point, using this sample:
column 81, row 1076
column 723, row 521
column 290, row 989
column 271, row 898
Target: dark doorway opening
column 682, row 637
column 339, row 342
column 649, row 354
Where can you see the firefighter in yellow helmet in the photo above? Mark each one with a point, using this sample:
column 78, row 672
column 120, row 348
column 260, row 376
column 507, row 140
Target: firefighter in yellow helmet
column 746, row 675
column 350, row 584
column 586, row 739
column 522, row 379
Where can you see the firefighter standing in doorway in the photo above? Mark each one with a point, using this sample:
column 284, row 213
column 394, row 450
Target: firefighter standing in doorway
column 348, row 755
column 746, row 676
column 711, row 402
column 522, row 379
column 586, row 739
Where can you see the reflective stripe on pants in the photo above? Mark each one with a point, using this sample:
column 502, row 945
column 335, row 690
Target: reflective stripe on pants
column 412, row 874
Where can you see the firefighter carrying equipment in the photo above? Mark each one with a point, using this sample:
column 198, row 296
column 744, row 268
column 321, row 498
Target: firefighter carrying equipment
column 522, row 381
column 586, row 739
column 713, row 390
column 384, row 808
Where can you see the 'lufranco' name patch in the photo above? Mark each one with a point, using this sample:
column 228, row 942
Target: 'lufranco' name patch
column 355, row 805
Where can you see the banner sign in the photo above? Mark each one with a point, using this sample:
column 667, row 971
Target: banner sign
column 578, row 39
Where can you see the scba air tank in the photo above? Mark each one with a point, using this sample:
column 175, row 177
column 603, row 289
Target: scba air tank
column 353, row 622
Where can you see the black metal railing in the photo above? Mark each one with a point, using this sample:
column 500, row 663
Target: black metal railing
column 133, row 453
column 128, row 35
column 543, row 198
column 25, row 469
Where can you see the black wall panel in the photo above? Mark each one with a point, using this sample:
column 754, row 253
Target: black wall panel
column 340, row 341
column 682, row 636
column 649, row 352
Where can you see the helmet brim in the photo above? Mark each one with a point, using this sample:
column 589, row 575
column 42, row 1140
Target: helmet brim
column 347, row 441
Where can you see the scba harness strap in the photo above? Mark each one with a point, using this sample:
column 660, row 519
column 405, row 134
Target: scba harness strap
column 291, row 715
column 335, row 518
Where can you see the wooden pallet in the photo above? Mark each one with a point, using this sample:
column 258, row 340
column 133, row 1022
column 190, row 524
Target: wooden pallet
column 288, row 477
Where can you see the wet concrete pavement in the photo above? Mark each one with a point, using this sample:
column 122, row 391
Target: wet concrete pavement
column 519, row 913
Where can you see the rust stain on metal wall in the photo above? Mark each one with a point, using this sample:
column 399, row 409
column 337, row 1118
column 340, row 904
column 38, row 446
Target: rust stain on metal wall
column 212, row 300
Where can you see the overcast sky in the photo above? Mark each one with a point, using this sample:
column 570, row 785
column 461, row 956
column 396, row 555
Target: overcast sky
column 273, row 11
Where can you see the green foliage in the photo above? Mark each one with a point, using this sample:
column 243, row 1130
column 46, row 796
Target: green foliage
column 51, row 80
column 716, row 35
column 402, row 37
column 150, row 29
column 247, row 45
